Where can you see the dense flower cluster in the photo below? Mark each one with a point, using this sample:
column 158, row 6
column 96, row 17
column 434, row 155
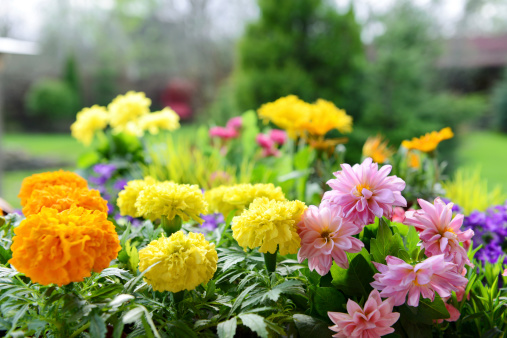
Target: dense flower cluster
column 88, row 122
column 63, row 247
column 128, row 196
column 127, row 109
column 269, row 142
column 324, row 117
column 428, row 142
column 377, row 148
column 43, row 180
column 180, row 262
column 225, row 199
column 268, row 225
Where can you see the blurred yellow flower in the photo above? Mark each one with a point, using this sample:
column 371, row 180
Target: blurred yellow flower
column 127, row 197
column 63, row 247
column 377, row 149
column 269, row 225
column 325, row 116
column 225, row 199
column 166, row 119
column 183, row 262
column 428, row 142
column 168, row 199
column 88, row 121
column 127, row 108
column 289, row 113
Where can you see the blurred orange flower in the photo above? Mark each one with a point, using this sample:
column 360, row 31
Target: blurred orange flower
column 43, row 180
column 52, row 247
column 428, row 142
column 61, row 198
column 414, row 160
column 377, row 148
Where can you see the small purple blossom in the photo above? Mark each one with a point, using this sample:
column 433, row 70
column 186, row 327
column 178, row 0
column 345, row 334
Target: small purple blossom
column 124, row 219
column 211, row 221
column 120, row 184
column 104, row 170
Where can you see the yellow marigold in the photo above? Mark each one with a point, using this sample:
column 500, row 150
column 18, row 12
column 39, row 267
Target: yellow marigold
column 52, row 247
column 127, row 197
column 170, row 199
column 61, row 198
column 166, row 119
column 88, row 121
column 225, row 199
column 184, row 262
column 325, row 116
column 377, row 148
column 269, row 225
column 43, row 180
column 428, row 142
column 289, row 113
column 128, row 108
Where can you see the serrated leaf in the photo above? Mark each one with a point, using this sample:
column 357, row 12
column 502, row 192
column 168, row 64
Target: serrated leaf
column 357, row 278
column 290, row 286
column 255, row 323
column 311, row 327
column 227, row 329
column 97, row 326
column 385, row 243
column 329, row 299
column 241, row 297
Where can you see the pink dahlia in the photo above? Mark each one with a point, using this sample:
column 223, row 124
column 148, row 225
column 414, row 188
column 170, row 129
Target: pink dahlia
column 434, row 274
column 278, row 136
column 223, row 133
column 398, row 215
column 375, row 320
column 326, row 236
column 264, row 141
column 363, row 192
column 235, row 123
column 440, row 233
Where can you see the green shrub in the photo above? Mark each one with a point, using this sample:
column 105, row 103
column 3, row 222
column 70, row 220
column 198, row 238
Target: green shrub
column 52, row 99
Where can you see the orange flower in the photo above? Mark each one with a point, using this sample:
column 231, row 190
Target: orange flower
column 61, row 198
column 51, row 247
column 413, row 160
column 43, row 180
column 377, row 149
column 428, row 142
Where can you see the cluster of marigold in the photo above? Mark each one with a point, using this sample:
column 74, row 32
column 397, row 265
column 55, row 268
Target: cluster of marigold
column 66, row 234
column 129, row 113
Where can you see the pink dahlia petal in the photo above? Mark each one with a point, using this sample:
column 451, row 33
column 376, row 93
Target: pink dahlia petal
column 235, row 123
column 278, row 136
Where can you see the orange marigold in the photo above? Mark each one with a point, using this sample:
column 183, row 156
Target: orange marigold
column 61, row 197
column 52, row 247
column 377, row 148
column 428, row 142
column 43, row 180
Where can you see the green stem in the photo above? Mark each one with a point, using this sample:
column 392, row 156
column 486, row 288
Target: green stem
column 270, row 261
column 81, row 329
column 171, row 226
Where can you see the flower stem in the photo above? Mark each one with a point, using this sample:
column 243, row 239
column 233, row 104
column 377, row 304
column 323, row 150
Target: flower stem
column 171, row 226
column 270, row 261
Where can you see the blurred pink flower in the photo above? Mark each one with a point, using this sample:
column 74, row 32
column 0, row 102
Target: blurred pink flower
column 223, row 133
column 278, row 136
column 326, row 236
column 375, row 320
column 453, row 312
column 504, row 273
column 439, row 232
column 363, row 191
column 266, row 152
column 398, row 215
column 434, row 274
column 264, row 141
column 235, row 123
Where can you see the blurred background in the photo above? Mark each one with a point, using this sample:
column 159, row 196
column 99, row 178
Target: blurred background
column 400, row 68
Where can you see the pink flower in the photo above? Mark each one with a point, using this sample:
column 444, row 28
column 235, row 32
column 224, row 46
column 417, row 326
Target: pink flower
column 434, row 274
column 363, row 191
column 453, row 312
column 439, row 232
column 504, row 273
column 398, row 215
column 235, row 123
column 264, row 141
column 326, row 236
column 223, row 133
column 374, row 321
column 278, row 136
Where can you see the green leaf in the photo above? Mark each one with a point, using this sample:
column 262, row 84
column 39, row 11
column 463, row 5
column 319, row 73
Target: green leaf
column 97, row 326
column 357, row 278
column 227, row 329
column 120, row 299
column 290, row 286
column 255, row 323
column 329, row 299
column 311, row 327
column 385, row 243
column 426, row 312
column 133, row 315
column 412, row 239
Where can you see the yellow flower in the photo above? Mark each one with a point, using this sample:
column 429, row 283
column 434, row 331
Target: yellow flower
column 43, row 180
column 377, row 149
column 128, row 196
column 184, row 262
column 52, row 247
column 289, row 113
column 325, row 116
column 170, row 199
column 327, row 145
column 428, row 142
column 88, row 121
column 269, row 225
column 166, row 119
column 127, row 108
column 225, row 199
column 61, row 197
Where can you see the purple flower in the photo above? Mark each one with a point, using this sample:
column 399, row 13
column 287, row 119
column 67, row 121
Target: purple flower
column 104, row 170
column 120, row 184
column 211, row 221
